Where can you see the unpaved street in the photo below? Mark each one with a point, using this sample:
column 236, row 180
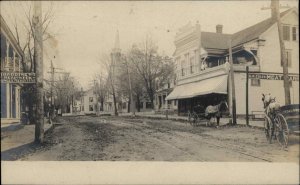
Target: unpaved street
column 140, row 139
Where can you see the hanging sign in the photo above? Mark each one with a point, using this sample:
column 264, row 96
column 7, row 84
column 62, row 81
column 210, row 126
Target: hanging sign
column 270, row 76
column 17, row 77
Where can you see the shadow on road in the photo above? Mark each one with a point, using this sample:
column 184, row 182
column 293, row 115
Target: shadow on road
column 17, row 152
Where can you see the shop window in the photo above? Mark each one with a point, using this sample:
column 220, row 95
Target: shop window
column 286, row 32
column 148, row 105
column 294, row 33
column 288, row 55
column 91, row 108
column 255, row 82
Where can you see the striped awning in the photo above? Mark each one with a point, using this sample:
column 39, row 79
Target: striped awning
column 212, row 85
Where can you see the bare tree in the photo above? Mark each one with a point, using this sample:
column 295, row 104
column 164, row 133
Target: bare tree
column 111, row 79
column 24, row 32
column 100, row 88
column 153, row 69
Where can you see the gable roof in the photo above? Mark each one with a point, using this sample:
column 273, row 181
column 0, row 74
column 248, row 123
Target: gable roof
column 253, row 32
column 220, row 41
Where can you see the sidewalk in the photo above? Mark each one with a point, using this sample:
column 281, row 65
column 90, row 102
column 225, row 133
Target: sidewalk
column 18, row 139
column 223, row 121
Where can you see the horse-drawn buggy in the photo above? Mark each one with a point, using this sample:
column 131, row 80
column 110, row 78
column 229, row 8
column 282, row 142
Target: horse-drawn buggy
column 201, row 113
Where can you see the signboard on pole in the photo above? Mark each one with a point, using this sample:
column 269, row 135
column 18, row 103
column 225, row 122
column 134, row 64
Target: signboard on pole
column 7, row 77
column 270, row 76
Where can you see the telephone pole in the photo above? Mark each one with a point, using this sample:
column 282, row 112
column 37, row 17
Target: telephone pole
column 276, row 16
column 232, row 85
column 51, row 93
column 38, row 60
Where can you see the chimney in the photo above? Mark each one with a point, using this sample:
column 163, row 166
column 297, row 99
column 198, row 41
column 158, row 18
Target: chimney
column 274, row 8
column 219, row 28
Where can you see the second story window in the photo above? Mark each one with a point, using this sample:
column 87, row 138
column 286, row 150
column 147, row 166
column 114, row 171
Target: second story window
column 286, row 32
column 91, row 99
column 294, row 33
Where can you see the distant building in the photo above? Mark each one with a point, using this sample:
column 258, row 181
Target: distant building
column 115, row 72
column 11, row 55
column 89, row 102
column 202, row 64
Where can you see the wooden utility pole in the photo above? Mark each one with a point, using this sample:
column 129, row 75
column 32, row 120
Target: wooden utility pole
column 247, row 95
column 232, row 85
column 51, row 93
column 38, row 60
column 276, row 16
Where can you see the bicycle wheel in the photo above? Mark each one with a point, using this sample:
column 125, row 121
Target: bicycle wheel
column 267, row 129
column 282, row 130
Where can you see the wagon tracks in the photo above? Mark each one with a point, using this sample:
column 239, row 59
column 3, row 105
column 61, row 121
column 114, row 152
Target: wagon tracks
column 225, row 145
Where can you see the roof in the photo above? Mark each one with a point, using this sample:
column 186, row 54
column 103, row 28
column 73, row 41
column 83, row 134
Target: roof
column 214, row 40
column 12, row 38
column 220, row 41
column 253, row 32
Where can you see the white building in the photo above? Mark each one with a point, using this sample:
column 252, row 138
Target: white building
column 11, row 55
column 202, row 68
column 89, row 103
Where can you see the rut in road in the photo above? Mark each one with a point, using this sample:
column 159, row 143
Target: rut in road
column 148, row 128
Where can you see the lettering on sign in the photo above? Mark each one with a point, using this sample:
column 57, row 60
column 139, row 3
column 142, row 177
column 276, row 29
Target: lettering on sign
column 18, row 77
column 265, row 76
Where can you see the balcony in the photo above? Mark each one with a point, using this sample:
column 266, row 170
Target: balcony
column 192, row 74
column 7, row 64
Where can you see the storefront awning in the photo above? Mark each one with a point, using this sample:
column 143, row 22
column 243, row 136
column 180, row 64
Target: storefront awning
column 212, row 85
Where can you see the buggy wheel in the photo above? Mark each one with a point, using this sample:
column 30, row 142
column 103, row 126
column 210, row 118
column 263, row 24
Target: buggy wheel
column 282, row 130
column 190, row 118
column 194, row 121
column 267, row 129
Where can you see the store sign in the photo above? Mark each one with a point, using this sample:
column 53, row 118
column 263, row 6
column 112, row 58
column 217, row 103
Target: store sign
column 18, row 77
column 267, row 76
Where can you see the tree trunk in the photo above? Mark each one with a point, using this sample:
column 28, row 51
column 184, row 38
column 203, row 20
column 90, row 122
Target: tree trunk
column 115, row 104
column 138, row 103
column 101, row 106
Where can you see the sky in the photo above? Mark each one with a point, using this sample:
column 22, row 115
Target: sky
column 86, row 30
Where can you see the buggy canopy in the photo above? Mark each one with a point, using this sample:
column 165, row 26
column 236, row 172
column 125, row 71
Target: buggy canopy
column 216, row 84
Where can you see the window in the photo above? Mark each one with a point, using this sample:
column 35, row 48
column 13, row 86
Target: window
column 255, row 82
column 286, row 32
column 91, row 108
column 294, row 33
column 291, row 83
column 192, row 64
column 91, row 99
column 175, row 102
column 148, row 105
column 288, row 55
column 169, row 85
column 182, row 72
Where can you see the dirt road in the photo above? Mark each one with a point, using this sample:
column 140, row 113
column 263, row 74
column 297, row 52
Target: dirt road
column 138, row 139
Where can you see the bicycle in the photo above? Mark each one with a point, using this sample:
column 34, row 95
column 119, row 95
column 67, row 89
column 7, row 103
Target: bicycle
column 275, row 125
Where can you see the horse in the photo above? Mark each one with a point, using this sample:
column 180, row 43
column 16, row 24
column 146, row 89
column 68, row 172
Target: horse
column 215, row 111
